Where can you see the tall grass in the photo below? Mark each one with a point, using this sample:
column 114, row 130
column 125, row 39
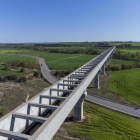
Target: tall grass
column 127, row 84
column 104, row 124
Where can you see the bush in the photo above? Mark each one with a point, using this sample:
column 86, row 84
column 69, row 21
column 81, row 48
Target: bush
column 124, row 67
column 3, row 111
column 11, row 77
column 2, row 79
column 22, row 70
column 115, row 68
column 36, row 74
column 22, row 79
column 7, row 68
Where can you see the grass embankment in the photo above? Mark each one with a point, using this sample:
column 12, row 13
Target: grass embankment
column 127, row 84
column 104, row 124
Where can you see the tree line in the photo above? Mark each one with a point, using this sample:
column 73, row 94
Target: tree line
column 126, row 55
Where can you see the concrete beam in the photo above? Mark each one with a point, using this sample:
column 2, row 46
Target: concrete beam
column 14, row 135
column 61, row 90
column 30, row 117
column 53, row 97
column 86, row 68
column 76, row 78
column 82, row 72
column 70, row 85
column 78, row 75
column 43, row 106
column 73, row 81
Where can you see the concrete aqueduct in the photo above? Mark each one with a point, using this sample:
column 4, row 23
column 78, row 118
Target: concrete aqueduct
column 56, row 101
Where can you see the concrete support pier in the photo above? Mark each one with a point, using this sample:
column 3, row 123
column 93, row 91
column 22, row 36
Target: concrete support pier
column 96, row 80
column 78, row 109
column 103, row 68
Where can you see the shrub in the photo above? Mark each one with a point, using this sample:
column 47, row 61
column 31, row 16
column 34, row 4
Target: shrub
column 3, row 111
column 11, row 77
column 2, row 79
column 115, row 68
column 7, row 68
column 36, row 74
column 22, row 79
column 22, row 70
column 123, row 67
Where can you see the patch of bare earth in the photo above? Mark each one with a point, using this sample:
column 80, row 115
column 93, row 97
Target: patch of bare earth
column 13, row 94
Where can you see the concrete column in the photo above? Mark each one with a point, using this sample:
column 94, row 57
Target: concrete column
column 96, row 80
column 103, row 68
column 78, row 109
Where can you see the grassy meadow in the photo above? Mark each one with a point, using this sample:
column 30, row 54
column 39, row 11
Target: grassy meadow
column 104, row 124
column 118, row 61
column 120, row 43
column 127, row 84
column 5, row 58
column 4, row 72
column 130, row 50
column 57, row 61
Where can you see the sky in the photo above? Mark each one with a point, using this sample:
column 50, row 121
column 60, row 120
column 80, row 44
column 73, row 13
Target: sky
column 23, row 21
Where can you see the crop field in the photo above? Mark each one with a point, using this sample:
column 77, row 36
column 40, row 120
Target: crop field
column 4, row 72
column 127, row 84
column 120, row 43
column 130, row 50
column 5, row 58
column 12, row 51
column 59, row 61
column 104, row 124
column 118, row 61
column 70, row 62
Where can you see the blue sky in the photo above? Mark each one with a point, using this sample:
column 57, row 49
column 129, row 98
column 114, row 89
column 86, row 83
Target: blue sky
column 69, row 20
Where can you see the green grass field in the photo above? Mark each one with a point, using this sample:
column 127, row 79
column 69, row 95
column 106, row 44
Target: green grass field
column 5, row 58
column 58, row 61
column 117, row 61
column 127, row 84
column 12, row 51
column 119, row 43
column 104, row 124
column 130, row 50
column 4, row 72
column 70, row 62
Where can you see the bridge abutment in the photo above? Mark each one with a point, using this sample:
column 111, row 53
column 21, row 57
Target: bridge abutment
column 78, row 109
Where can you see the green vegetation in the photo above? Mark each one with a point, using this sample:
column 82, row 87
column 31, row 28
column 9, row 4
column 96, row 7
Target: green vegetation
column 131, row 50
column 127, row 84
column 70, row 63
column 118, row 61
column 12, row 51
column 36, row 74
column 4, row 72
column 104, row 124
column 6, row 58
column 123, row 43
